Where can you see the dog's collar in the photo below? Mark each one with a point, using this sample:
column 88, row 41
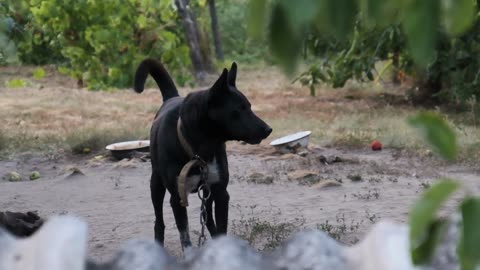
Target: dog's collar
column 183, row 141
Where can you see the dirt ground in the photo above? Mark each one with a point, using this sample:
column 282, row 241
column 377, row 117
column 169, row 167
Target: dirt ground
column 345, row 197
column 113, row 197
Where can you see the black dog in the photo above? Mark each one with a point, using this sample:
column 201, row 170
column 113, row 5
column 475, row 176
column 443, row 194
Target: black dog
column 209, row 118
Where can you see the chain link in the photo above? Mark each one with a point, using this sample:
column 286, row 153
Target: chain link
column 204, row 194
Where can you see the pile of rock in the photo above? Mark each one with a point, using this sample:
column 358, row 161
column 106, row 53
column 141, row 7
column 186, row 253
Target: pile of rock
column 61, row 244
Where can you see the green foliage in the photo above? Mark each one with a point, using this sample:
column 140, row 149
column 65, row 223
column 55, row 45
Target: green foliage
column 16, row 83
column 431, row 40
column 424, row 228
column 257, row 11
column 470, row 235
column 104, row 40
column 34, row 175
column 419, row 19
column 458, row 14
column 8, row 50
column 26, row 39
column 341, row 60
column 457, row 64
column 100, row 43
column 437, row 132
column 38, row 73
column 420, row 22
column 237, row 43
column 280, row 28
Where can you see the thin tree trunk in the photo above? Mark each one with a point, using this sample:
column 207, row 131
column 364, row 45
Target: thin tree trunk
column 430, row 84
column 204, row 44
column 215, row 31
column 191, row 33
column 396, row 64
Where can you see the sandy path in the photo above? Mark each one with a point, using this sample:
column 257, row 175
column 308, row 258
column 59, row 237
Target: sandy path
column 115, row 200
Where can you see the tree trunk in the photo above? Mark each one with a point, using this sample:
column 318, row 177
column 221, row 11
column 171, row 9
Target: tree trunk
column 426, row 90
column 430, row 83
column 396, row 63
column 192, row 36
column 215, row 31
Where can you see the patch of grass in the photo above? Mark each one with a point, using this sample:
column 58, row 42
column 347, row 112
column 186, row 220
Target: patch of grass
column 372, row 217
column 58, row 120
column 78, row 141
column 264, row 234
column 16, row 83
column 469, row 149
column 355, row 177
column 374, row 180
column 38, row 73
column 393, row 179
column 17, row 141
column 425, row 185
column 92, row 140
column 340, row 229
column 381, row 168
column 371, row 194
column 351, row 126
column 37, row 120
column 388, row 125
column 3, row 141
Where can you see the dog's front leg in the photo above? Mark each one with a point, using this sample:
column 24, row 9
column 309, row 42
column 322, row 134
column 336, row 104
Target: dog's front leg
column 210, row 222
column 181, row 219
column 222, row 199
column 219, row 192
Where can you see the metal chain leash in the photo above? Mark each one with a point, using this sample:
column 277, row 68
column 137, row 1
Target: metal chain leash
column 204, row 194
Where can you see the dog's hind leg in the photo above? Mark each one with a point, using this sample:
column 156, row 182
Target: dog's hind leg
column 210, row 222
column 158, row 190
column 181, row 219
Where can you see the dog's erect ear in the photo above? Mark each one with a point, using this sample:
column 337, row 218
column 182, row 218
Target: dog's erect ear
column 221, row 84
column 232, row 74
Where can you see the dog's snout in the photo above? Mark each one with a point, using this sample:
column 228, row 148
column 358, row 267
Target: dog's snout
column 267, row 130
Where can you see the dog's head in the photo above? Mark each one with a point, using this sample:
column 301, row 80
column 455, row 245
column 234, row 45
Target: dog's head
column 231, row 111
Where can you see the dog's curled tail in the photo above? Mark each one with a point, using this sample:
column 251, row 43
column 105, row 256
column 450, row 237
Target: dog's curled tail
column 159, row 74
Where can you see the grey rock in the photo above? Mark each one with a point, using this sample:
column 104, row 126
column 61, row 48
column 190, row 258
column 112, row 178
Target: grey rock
column 310, row 250
column 226, row 252
column 139, row 255
column 7, row 244
column 59, row 244
column 385, row 247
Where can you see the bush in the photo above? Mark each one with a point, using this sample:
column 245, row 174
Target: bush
column 31, row 47
column 100, row 43
column 433, row 41
column 237, row 44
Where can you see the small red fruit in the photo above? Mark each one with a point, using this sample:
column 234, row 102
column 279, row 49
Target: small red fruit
column 376, row 146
